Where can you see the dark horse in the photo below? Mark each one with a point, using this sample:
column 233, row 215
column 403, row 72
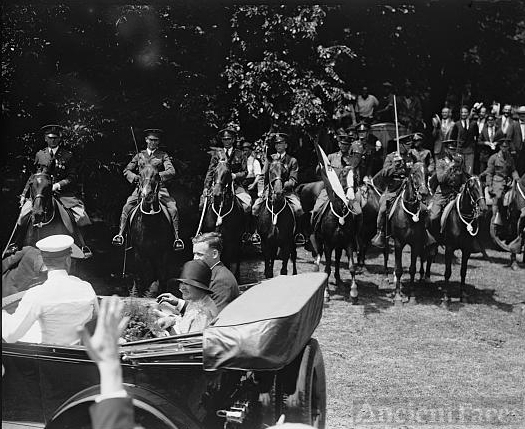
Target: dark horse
column 150, row 234
column 460, row 230
column 45, row 219
column 338, row 229
column 224, row 214
column 276, row 223
column 407, row 226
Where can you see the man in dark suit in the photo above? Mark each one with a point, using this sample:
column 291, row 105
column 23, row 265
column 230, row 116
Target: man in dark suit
column 21, row 270
column 487, row 140
column 160, row 160
column 61, row 165
column 505, row 122
column 466, row 132
column 238, row 165
column 517, row 141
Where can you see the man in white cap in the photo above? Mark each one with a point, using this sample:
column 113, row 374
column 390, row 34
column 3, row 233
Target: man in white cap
column 61, row 304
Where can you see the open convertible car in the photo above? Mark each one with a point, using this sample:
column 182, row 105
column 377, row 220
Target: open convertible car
column 255, row 363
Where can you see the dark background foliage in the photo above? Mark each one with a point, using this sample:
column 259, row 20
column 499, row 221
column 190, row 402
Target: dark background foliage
column 99, row 69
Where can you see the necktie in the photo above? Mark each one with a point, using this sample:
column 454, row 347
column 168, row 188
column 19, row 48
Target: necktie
column 52, row 162
column 504, row 126
column 491, row 133
column 465, row 124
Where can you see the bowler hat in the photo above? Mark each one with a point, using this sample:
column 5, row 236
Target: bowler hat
column 196, row 273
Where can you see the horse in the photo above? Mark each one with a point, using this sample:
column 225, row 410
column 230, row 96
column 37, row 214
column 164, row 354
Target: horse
column 460, row 230
column 276, row 223
column 45, row 218
column 371, row 193
column 407, row 226
column 224, row 214
column 338, row 229
column 150, row 234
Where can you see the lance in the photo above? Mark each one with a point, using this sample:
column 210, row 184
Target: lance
column 397, row 126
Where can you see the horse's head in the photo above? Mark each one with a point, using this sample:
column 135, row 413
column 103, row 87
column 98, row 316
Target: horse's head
column 278, row 174
column 474, row 190
column 42, row 197
column 149, row 184
column 418, row 179
column 222, row 176
column 347, row 179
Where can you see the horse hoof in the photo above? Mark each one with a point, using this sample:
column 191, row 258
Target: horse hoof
column 412, row 301
column 514, row 266
column 354, row 300
column 445, row 303
column 464, row 299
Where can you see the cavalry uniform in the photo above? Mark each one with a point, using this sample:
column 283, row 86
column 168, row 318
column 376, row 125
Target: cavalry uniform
column 394, row 173
column 239, row 167
column 448, row 178
column 291, row 197
column 500, row 170
column 61, row 165
column 339, row 161
column 162, row 162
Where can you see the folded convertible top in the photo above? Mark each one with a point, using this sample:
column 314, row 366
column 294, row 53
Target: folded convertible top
column 267, row 326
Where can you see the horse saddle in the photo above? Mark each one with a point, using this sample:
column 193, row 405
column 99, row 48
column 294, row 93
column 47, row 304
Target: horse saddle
column 446, row 212
column 162, row 206
column 66, row 216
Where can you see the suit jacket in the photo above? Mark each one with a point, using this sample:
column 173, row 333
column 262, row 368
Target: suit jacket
column 484, row 136
column 63, row 168
column 112, row 413
column 441, row 134
column 499, row 124
column 238, row 165
column 158, row 159
column 223, row 285
column 468, row 136
column 21, row 270
column 517, row 142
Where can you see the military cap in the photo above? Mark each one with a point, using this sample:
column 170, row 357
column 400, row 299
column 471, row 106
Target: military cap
column 342, row 136
column 450, row 143
column 153, row 132
column 279, row 138
column 417, row 136
column 503, row 140
column 228, row 131
column 52, row 129
column 387, row 84
column 56, row 246
column 397, row 156
column 247, row 144
column 363, row 126
column 521, row 110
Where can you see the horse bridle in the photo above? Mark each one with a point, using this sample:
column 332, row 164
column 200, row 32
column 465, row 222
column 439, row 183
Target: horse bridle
column 271, row 186
column 142, row 183
column 41, row 195
column 223, row 192
column 418, row 198
column 476, row 212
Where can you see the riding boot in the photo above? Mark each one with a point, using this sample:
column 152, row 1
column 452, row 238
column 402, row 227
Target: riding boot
column 118, row 240
column 380, row 238
column 82, row 244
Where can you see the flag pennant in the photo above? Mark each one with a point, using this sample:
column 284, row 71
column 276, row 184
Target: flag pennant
column 328, row 174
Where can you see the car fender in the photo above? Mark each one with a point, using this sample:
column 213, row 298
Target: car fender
column 143, row 399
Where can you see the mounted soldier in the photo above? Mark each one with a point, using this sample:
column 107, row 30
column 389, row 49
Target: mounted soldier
column 447, row 180
column 60, row 164
column 162, row 162
column 238, row 166
column 372, row 152
column 419, row 154
column 280, row 142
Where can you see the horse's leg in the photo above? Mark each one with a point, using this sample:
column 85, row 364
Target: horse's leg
column 385, row 264
column 449, row 255
column 293, row 257
column 337, row 273
column 328, row 261
column 513, row 263
column 351, row 267
column 414, row 253
column 398, row 272
column 465, row 255
column 285, row 253
column 268, row 270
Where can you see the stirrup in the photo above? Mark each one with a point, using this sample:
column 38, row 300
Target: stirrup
column 299, row 239
column 118, row 240
column 256, row 239
column 178, row 244
column 87, row 252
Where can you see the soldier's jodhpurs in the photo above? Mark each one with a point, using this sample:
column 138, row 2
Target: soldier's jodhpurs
column 385, row 202
column 164, row 197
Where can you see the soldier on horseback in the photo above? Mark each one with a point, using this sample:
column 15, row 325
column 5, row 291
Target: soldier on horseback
column 160, row 160
column 419, row 154
column 60, row 164
column 500, row 172
column 238, row 165
column 447, row 180
column 338, row 161
column 280, row 143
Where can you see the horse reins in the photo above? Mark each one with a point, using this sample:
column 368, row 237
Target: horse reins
column 475, row 212
column 41, row 224
column 218, row 214
column 274, row 215
column 156, row 190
